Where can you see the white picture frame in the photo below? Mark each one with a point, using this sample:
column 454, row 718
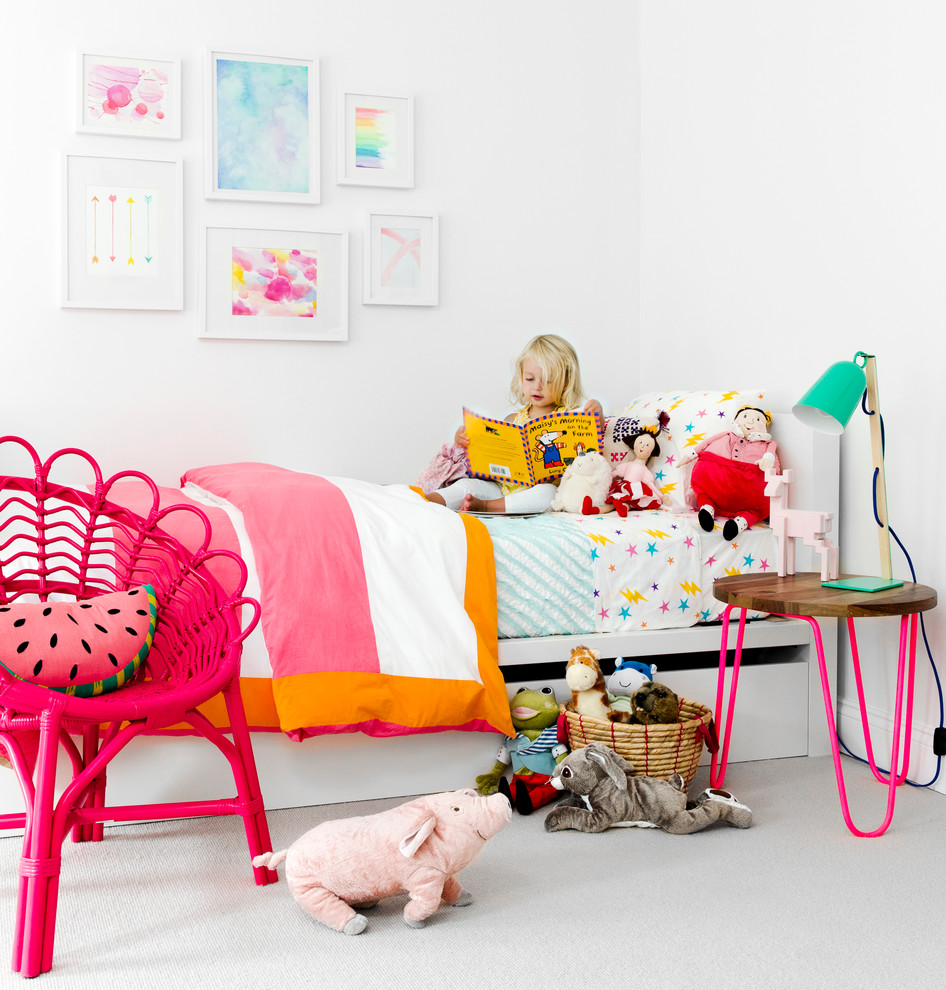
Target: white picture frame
column 375, row 140
column 261, row 283
column 128, row 96
column 262, row 127
column 122, row 241
column 401, row 259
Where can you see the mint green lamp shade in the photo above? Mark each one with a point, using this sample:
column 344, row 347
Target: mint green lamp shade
column 827, row 407
column 829, row 404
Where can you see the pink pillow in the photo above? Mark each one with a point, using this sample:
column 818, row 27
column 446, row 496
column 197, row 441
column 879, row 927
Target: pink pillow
column 81, row 648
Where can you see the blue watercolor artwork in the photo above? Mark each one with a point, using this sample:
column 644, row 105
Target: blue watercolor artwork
column 262, row 126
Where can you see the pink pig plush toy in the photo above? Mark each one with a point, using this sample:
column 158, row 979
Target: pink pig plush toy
column 418, row 847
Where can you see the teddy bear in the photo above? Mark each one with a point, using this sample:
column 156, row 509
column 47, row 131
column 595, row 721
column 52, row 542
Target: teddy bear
column 584, row 485
column 604, row 792
column 633, row 485
column 589, row 693
column 729, row 473
column 533, row 752
column 654, row 704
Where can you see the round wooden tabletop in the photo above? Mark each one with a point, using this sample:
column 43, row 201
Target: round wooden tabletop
column 802, row 594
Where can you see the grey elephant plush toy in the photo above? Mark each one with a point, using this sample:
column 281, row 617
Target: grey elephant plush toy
column 604, row 793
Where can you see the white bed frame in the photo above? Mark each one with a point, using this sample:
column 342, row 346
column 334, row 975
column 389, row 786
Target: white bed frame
column 779, row 713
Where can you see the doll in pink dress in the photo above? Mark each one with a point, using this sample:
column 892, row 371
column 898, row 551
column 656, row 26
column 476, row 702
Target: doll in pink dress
column 729, row 474
column 633, row 485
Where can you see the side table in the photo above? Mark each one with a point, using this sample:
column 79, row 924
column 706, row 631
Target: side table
column 802, row 596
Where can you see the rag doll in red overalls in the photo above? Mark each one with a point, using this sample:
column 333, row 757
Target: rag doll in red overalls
column 729, row 474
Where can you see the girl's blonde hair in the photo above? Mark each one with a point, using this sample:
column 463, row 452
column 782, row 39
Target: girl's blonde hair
column 561, row 375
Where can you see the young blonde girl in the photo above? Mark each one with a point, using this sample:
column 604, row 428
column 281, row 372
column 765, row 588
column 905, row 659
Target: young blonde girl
column 546, row 379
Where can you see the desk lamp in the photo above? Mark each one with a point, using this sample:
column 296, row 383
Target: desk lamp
column 827, row 407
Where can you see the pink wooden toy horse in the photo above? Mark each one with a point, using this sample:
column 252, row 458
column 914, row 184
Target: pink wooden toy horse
column 791, row 524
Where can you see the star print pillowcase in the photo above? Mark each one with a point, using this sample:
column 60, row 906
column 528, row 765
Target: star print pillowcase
column 690, row 417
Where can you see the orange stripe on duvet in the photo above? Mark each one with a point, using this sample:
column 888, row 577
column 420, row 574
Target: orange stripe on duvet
column 480, row 604
column 427, row 706
column 352, row 702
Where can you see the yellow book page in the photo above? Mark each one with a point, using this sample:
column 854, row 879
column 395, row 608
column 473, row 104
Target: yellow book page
column 497, row 449
column 531, row 454
column 555, row 441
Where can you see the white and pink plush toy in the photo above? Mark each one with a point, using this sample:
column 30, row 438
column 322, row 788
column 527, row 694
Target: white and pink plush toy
column 584, row 485
column 418, row 848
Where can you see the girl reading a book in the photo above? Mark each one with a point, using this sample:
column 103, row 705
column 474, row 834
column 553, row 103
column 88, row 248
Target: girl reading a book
column 546, row 380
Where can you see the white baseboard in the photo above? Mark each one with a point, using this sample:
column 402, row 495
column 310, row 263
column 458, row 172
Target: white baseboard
column 922, row 761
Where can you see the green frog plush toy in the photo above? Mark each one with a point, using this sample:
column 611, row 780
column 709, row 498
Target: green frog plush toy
column 533, row 752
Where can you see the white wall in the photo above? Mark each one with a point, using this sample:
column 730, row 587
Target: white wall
column 793, row 213
column 527, row 122
column 778, row 204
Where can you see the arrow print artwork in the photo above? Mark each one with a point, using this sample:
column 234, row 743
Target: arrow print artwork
column 123, row 234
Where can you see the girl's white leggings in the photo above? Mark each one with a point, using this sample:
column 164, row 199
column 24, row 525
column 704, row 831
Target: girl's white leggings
column 535, row 499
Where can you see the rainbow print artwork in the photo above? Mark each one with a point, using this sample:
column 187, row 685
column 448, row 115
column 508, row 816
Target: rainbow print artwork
column 375, row 138
column 274, row 282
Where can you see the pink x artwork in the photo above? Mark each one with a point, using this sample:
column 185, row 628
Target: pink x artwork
column 409, row 242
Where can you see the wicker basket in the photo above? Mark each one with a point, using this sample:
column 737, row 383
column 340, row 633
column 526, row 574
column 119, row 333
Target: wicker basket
column 655, row 750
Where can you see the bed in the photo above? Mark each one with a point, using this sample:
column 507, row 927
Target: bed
column 394, row 630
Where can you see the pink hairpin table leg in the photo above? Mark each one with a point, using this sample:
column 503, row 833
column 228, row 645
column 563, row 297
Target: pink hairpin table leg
column 720, row 758
column 802, row 596
column 906, row 663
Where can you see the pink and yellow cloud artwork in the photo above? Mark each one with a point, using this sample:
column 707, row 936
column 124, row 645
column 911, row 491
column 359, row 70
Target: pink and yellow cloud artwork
column 274, row 282
column 127, row 93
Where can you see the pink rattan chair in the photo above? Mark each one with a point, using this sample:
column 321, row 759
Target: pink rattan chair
column 66, row 543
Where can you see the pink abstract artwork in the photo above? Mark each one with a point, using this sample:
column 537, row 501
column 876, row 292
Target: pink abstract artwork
column 274, row 282
column 400, row 258
column 127, row 94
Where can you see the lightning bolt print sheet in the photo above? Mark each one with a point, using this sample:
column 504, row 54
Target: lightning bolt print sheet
column 563, row 573
column 646, row 571
column 655, row 570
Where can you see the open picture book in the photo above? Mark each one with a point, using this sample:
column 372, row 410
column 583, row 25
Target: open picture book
column 531, row 454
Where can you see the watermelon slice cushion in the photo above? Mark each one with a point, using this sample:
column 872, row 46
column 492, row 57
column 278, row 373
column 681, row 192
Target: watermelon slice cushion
column 79, row 648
